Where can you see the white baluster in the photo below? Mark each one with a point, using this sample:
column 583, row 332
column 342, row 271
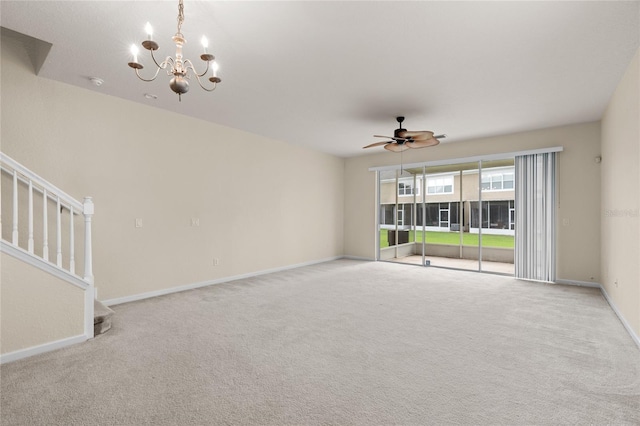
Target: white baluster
column 45, row 226
column 14, row 234
column 30, row 241
column 58, row 236
column 88, row 265
column 72, row 256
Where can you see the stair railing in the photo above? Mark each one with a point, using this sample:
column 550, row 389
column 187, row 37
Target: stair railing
column 61, row 263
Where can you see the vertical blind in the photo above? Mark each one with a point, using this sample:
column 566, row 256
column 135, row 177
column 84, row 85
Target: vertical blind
column 535, row 209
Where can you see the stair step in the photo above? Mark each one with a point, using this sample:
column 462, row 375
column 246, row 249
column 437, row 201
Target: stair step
column 101, row 318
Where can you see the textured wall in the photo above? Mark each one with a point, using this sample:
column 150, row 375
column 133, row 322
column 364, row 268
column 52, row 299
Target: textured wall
column 621, row 196
column 261, row 203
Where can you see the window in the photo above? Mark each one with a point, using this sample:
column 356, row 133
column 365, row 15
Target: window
column 407, row 214
column 404, row 214
column 406, row 187
column 495, row 214
column 441, row 215
column 498, row 180
column 431, row 212
column 454, row 216
column 440, row 185
column 386, row 214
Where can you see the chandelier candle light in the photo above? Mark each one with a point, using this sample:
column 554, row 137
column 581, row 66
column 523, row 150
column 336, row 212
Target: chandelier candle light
column 177, row 67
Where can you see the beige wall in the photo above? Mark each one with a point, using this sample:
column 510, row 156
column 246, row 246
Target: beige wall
column 261, row 203
column 36, row 307
column 621, row 197
column 579, row 195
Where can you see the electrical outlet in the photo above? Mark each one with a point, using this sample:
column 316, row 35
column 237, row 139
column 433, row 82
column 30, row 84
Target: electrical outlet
column 195, row 221
column 139, row 222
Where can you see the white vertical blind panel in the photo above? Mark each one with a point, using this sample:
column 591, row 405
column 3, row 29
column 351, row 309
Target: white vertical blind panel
column 535, row 207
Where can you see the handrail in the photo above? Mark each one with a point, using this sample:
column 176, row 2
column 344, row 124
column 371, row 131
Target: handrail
column 77, row 208
column 33, row 183
column 31, row 176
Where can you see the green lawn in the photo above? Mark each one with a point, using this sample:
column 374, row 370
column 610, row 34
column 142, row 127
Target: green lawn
column 468, row 239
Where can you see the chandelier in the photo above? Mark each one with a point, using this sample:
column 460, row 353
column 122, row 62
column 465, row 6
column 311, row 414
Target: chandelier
column 180, row 68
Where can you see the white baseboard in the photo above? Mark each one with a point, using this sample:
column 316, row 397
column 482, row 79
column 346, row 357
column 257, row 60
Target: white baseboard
column 579, row 283
column 142, row 296
column 40, row 349
column 624, row 322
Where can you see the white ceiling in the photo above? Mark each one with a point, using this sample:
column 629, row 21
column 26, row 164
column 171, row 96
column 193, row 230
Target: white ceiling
column 330, row 74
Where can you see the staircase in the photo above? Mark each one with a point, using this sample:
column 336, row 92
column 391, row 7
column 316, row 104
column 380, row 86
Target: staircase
column 101, row 318
column 35, row 210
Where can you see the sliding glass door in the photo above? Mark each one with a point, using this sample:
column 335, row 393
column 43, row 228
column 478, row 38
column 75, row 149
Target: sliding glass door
column 398, row 195
column 497, row 227
column 457, row 216
column 446, row 240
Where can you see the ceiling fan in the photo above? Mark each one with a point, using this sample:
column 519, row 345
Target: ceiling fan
column 403, row 139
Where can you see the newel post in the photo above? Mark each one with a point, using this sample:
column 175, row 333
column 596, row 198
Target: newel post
column 88, row 262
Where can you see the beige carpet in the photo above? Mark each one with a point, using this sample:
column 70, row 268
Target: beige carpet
column 343, row 343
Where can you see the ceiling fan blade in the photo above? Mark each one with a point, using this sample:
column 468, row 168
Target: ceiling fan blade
column 419, row 135
column 394, row 147
column 440, row 136
column 394, row 139
column 423, row 143
column 380, row 136
column 422, row 137
column 376, row 144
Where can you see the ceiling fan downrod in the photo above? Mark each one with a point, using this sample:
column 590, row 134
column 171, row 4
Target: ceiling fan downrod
column 396, row 132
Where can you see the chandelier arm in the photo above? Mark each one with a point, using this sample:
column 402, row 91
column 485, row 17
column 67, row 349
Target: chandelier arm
column 200, row 82
column 168, row 61
column 147, row 80
column 189, row 65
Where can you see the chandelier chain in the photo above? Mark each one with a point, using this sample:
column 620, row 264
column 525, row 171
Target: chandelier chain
column 180, row 16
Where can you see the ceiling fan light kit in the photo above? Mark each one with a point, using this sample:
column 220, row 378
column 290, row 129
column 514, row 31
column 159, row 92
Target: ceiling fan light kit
column 403, row 139
column 180, row 68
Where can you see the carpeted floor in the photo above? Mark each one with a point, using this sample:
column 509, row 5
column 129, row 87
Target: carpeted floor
column 343, row 343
